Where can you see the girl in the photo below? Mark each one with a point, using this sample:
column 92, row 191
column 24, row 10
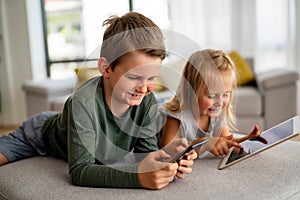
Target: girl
column 202, row 107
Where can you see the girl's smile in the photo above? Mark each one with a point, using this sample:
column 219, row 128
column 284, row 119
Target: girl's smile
column 213, row 101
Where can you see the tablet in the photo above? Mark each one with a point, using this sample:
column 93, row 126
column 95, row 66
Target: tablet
column 273, row 136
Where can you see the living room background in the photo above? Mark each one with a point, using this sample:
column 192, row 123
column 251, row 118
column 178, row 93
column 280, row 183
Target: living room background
column 265, row 30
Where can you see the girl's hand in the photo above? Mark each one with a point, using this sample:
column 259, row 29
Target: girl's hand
column 220, row 146
column 255, row 135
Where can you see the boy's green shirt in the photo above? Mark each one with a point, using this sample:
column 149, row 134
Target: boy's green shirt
column 88, row 135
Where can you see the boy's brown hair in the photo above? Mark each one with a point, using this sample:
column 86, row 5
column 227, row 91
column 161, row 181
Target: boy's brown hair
column 131, row 32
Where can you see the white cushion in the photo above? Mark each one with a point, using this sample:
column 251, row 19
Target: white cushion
column 248, row 101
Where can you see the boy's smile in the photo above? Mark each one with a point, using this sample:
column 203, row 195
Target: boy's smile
column 131, row 80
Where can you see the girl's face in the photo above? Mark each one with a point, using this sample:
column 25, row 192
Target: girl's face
column 131, row 80
column 215, row 99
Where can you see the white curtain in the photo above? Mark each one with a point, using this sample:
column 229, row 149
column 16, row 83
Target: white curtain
column 263, row 29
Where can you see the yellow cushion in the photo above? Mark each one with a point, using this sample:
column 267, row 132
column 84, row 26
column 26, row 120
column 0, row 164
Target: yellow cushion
column 83, row 74
column 244, row 72
column 159, row 85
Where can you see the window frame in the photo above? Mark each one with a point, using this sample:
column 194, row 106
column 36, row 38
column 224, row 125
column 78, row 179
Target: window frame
column 49, row 62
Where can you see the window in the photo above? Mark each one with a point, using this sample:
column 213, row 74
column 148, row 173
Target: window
column 272, row 32
column 264, row 30
column 208, row 23
column 74, row 29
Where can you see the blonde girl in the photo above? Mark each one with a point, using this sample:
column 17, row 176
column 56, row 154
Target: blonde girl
column 202, row 107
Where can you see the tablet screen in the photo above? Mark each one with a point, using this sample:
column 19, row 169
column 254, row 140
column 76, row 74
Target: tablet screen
column 273, row 136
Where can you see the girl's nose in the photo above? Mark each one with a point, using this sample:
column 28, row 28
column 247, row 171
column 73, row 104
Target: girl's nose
column 219, row 101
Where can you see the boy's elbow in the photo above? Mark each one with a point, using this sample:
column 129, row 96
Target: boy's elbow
column 75, row 175
column 74, row 179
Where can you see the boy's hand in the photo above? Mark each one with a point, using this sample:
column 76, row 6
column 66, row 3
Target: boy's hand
column 153, row 173
column 220, row 146
column 186, row 163
column 176, row 146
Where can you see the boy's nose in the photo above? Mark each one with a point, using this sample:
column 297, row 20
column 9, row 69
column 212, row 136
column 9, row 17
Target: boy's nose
column 142, row 89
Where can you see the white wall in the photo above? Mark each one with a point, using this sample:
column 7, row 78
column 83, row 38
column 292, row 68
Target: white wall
column 298, row 98
column 297, row 48
column 36, row 39
column 16, row 65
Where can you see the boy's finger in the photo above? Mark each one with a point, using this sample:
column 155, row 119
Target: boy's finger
column 161, row 155
column 184, row 162
column 192, row 155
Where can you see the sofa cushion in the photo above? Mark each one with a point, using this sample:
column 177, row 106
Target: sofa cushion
column 244, row 72
column 245, row 124
column 49, row 86
column 58, row 103
column 85, row 73
column 273, row 174
column 276, row 78
column 248, row 101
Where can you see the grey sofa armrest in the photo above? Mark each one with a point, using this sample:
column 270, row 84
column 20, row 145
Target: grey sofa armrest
column 279, row 91
column 49, row 86
column 276, row 78
column 40, row 94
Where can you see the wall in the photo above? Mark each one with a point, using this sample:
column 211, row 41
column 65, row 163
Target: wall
column 16, row 65
column 297, row 48
column 298, row 98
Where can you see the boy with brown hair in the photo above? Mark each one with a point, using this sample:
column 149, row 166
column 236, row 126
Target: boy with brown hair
column 108, row 126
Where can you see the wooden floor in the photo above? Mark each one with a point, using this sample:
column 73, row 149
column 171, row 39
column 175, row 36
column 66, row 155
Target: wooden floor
column 6, row 130
column 297, row 138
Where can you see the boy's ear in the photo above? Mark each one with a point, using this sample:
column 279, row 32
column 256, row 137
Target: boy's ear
column 103, row 67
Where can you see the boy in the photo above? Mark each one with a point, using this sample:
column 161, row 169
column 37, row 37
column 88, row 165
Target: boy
column 109, row 118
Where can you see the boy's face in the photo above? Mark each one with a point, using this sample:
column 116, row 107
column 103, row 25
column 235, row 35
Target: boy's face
column 216, row 99
column 131, row 80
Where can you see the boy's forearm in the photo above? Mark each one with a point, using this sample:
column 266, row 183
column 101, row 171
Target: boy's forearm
column 95, row 175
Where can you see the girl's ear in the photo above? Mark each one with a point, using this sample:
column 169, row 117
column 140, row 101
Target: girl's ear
column 103, row 67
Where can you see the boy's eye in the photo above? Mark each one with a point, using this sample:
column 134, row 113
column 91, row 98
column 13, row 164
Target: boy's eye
column 133, row 77
column 151, row 78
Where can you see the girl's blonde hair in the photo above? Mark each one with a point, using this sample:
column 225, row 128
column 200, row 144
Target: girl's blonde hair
column 202, row 72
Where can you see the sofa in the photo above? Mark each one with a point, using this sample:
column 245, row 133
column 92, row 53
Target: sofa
column 272, row 100
column 273, row 174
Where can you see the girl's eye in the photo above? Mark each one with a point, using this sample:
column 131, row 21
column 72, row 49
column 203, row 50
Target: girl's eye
column 212, row 96
column 226, row 95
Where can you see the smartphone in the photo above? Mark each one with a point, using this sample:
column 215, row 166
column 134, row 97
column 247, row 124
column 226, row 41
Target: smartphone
column 188, row 149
